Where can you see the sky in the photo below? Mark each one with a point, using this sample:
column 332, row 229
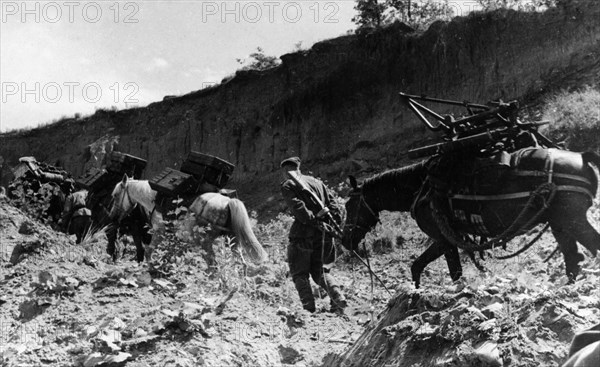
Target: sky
column 59, row 58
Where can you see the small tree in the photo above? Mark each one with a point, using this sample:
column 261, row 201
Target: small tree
column 523, row 5
column 370, row 14
column 418, row 14
column 415, row 13
column 259, row 61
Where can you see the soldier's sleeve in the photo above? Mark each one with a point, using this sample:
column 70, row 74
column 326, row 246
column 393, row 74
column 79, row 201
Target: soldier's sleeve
column 333, row 204
column 297, row 206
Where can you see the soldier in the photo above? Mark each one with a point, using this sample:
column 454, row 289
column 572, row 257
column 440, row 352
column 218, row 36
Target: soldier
column 76, row 217
column 310, row 251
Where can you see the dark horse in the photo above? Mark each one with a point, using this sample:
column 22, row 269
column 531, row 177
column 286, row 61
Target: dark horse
column 486, row 212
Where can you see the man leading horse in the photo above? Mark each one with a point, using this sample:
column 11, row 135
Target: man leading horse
column 310, row 250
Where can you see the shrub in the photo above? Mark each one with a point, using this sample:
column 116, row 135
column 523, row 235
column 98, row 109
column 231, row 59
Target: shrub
column 574, row 118
column 258, row 60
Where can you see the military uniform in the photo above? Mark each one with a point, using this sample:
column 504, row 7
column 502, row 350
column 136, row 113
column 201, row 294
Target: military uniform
column 76, row 217
column 309, row 248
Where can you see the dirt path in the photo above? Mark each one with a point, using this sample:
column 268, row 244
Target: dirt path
column 64, row 305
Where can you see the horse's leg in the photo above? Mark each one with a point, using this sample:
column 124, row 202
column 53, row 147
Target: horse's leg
column 569, row 224
column 111, row 236
column 453, row 261
column 585, row 234
column 206, row 242
column 78, row 225
column 568, row 247
column 137, row 232
column 437, row 249
column 475, row 261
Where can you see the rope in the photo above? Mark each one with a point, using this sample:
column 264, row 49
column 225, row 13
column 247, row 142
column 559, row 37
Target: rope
column 552, row 254
column 372, row 273
column 526, row 247
column 547, row 189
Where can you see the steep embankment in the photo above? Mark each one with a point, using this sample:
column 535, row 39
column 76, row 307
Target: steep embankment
column 335, row 104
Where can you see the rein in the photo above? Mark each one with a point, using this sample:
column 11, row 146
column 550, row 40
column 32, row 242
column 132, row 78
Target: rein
column 367, row 263
column 371, row 211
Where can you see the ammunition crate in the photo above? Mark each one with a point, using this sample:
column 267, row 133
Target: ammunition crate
column 122, row 163
column 208, row 168
column 171, row 182
column 96, row 179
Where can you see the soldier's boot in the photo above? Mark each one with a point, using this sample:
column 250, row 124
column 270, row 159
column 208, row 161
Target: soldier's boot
column 336, row 297
column 305, row 292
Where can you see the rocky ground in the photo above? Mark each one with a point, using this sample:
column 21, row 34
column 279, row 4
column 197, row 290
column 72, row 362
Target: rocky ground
column 64, row 305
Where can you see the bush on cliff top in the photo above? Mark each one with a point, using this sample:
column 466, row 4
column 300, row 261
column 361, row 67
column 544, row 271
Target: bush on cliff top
column 575, row 118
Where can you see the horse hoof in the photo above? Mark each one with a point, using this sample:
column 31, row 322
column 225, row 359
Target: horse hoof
column 416, row 277
column 571, row 278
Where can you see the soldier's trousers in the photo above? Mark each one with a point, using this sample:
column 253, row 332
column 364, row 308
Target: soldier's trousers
column 306, row 257
column 79, row 226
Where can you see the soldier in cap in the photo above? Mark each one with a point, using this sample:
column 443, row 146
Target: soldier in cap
column 76, row 217
column 310, row 251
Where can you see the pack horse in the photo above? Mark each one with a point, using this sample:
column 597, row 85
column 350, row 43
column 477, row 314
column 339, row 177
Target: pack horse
column 571, row 188
column 229, row 215
column 492, row 177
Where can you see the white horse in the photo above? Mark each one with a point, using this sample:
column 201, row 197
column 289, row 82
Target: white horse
column 226, row 214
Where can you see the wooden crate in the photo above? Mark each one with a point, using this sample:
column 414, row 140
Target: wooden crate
column 171, row 182
column 90, row 177
column 208, row 168
column 95, row 179
column 122, row 163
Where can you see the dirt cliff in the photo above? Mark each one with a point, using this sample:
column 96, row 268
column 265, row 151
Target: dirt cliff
column 336, row 104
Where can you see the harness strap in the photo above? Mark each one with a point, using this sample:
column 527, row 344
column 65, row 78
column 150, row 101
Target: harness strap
column 545, row 191
column 525, row 173
column 362, row 198
column 514, row 229
column 549, row 165
column 520, row 195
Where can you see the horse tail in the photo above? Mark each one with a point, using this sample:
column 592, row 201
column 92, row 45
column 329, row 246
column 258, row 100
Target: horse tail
column 593, row 158
column 241, row 226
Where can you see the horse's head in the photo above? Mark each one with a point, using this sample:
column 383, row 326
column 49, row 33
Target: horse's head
column 122, row 204
column 360, row 217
